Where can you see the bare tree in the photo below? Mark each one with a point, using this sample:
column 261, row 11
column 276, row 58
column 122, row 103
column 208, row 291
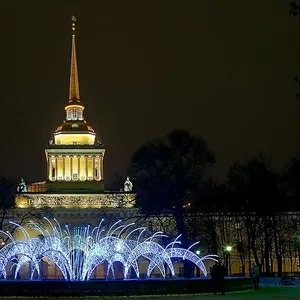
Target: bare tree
column 168, row 173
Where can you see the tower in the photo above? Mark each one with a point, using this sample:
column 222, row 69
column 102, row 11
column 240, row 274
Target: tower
column 74, row 155
column 74, row 179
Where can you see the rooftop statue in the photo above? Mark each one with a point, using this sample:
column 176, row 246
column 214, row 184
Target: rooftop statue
column 22, row 187
column 128, row 185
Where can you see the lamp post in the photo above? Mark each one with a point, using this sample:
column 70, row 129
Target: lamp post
column 197, row 269
column 227, row 256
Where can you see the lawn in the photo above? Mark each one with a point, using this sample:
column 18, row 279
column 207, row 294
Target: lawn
column 280, row 293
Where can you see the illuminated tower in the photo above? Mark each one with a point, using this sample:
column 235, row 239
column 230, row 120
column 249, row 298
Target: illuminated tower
column 74, row 166
column 74, row 155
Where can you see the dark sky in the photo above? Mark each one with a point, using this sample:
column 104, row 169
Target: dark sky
column 221, row 69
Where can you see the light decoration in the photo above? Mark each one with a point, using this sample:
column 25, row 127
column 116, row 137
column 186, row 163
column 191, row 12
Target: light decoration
column 77, row 252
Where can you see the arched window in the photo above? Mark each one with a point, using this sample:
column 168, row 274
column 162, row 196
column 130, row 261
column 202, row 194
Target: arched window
column 74, row 114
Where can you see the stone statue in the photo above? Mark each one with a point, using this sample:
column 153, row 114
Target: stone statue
column 128, row 185
column 22, row 187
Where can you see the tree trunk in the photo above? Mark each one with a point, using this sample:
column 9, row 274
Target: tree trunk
column 249, row 260
column 248, row 245
column 213, row 236
column 277, row 245
column 267, row 261
column 179, row 217
column 252, row 240
column 279, row 263
column 291, row 262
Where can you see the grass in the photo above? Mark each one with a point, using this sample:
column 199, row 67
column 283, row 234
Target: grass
column 279, row 293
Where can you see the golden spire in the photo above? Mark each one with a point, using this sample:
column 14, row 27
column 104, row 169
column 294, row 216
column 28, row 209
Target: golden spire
column 74, row 83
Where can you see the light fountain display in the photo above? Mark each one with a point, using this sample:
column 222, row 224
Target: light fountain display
column 78, row 251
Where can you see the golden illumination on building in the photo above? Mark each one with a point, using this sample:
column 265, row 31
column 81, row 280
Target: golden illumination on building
column 66, row 167
column 74, row 139
column 74, row 163
column 73, row 154
column 111, row 200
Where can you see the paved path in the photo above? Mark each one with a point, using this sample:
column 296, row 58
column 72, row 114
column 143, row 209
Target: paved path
column 267, row 293
column 279, row 293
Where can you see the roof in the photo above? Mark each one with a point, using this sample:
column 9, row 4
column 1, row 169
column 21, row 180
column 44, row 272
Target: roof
column 74, row 127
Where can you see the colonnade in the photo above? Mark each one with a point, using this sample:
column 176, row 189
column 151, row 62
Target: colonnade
column 75, row 167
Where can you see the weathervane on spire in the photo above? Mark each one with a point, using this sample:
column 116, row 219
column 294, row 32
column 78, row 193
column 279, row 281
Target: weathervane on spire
column 74, row 82
column 74, row 19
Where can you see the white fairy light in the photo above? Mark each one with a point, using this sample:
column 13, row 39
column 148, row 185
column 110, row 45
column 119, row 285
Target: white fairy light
column 77, row 252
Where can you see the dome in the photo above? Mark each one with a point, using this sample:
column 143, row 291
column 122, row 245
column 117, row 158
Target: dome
column 74, row 127
column 74, row 133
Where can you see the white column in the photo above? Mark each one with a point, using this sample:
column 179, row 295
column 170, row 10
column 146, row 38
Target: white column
column 64, row 167
column 50, row 167
column 94, row 167
column 71, row 166
column 55, row 167
column 96, row 163
column 78, row 159
column 101, row 167
column 86, row 168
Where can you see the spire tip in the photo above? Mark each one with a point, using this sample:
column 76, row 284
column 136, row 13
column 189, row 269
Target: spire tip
column 74, row 19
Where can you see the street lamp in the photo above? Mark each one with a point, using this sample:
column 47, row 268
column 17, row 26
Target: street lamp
column 228, row 248
column 197, row 269
column 228, row 264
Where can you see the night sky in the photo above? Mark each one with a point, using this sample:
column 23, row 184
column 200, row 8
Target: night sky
column 221, row 69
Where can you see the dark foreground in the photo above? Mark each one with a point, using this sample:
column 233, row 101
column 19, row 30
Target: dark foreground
column 279, row 293
column 117, row 287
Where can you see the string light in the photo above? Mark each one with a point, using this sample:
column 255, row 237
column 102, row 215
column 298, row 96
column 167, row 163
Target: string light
column 77, row 252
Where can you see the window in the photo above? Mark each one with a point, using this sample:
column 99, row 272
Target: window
column 74, row 114
column 53, row 172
